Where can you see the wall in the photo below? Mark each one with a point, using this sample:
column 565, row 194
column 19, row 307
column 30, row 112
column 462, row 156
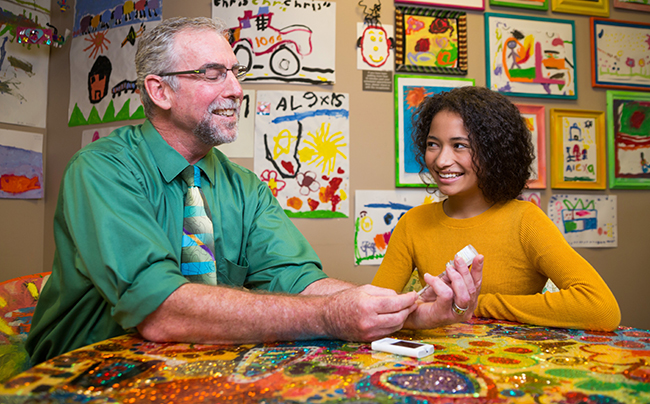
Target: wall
column 27, row 239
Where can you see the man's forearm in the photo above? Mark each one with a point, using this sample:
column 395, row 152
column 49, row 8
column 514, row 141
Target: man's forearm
column 326, row 286
column 203, row 314
column 213, row 314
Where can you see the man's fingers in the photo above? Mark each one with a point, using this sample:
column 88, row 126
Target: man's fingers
column 396, row 303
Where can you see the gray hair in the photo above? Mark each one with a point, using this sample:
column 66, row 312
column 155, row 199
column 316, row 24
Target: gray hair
column 156, row 53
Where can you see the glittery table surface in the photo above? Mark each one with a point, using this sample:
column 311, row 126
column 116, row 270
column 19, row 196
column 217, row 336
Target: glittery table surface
column 483, row 361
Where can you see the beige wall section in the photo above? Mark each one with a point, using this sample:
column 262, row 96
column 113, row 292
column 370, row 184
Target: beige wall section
column 626, row 268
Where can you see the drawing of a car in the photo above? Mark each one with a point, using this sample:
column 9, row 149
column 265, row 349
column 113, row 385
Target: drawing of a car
column 255, row 36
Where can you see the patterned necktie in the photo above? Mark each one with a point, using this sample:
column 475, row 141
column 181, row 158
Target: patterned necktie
column 197, row 253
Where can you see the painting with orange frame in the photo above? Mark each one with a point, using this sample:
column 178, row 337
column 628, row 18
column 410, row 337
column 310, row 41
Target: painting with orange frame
column 535, row 121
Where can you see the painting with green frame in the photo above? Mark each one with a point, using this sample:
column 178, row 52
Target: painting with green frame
column 410, row 91
column 628, row 139
column 529, row 4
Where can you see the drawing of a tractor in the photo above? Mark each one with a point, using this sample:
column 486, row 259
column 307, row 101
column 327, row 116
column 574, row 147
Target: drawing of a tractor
column 255, row 36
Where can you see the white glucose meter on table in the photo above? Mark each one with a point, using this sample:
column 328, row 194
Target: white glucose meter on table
column 402, row 347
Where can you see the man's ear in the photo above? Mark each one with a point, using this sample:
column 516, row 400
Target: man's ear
column 159, row 92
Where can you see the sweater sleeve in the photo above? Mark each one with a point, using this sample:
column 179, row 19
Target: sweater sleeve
column 397, row 265
column 584, row 300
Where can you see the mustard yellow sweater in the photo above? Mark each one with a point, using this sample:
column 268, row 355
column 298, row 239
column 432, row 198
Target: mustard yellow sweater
column 522, row 249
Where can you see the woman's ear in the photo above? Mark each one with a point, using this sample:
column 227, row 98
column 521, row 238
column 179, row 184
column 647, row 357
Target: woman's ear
column 159, row 92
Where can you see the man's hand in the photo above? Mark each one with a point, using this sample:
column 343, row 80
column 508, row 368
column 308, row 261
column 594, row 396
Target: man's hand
column 458, row 287
column 366, row 313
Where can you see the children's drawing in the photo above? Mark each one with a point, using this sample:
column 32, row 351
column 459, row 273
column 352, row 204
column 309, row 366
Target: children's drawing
column 267, row 38
column 585, row 220
column 23, row 65
column 578, row 144
column 90, row 135
column 641, row 5
column 529, row 56
column 531, row 196
column 430, row 41
column 102, row 54
column 21, row 165
column 620, row 54
column 375, row 47
column 302, row 149
column 376, row 214
column 628, row 139
column 530, row 4
column 535, row 118
column 375, row 41
column 244, row 145
column 410, row 91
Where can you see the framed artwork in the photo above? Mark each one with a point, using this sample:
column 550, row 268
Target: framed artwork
column 599, row 8
column 530, row 4
column 469, row 4
column 535, row 120
column 410, row 91
column 428, row 40
column 640, row 5
column 577, row 149
column 620, row 54
column 628, row 139
column 530, row 56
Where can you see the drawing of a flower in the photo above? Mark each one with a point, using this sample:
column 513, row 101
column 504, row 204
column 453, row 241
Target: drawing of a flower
column 272, row 180
column 630, row 62
column 307, row 182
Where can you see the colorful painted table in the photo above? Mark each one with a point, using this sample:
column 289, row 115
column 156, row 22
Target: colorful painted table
column 478, row 362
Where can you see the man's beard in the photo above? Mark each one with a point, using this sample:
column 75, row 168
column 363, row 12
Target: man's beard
column 210, row 132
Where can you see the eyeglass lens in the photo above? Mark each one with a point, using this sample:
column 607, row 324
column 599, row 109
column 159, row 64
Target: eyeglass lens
column 219, row 73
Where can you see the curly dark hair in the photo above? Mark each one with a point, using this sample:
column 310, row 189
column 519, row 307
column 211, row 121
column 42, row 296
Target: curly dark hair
column 501, row 145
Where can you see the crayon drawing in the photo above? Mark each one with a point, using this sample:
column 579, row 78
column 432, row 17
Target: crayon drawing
column 620, row 53
column 90, row 135
column 628, row 139
column 375, row 47
column 530, row 57
column 376, row 214
column 585, row 220
column 21, row 165
column 302, row 149
column 23, row 66
column 102, row 54
column 266, row 37
column 410, row 91
column 578, row 149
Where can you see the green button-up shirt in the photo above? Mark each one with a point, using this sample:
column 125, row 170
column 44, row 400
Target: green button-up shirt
column 118, row 229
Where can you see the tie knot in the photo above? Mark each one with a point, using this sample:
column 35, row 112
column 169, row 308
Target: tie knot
column 192, row 176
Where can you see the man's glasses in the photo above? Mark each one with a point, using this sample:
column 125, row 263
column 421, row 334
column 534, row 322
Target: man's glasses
column 217, row 73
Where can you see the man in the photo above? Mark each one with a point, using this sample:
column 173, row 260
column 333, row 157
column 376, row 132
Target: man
column 119, row 229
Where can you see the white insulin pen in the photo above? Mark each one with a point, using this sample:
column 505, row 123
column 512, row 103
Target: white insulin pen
column 467, row 254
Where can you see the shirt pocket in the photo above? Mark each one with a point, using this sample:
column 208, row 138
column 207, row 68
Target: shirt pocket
column 231, row 274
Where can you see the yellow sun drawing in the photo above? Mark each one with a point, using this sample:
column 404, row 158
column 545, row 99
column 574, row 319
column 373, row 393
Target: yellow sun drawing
column 323, row 148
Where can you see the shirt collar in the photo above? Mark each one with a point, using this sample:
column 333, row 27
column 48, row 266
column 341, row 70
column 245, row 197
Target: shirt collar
column 169, row 161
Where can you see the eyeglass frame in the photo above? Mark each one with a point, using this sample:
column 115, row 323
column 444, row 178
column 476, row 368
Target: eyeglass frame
column 242, row 70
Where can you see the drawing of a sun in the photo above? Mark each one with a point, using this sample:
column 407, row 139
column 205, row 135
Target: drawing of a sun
column 98, row 43
column 323, row 148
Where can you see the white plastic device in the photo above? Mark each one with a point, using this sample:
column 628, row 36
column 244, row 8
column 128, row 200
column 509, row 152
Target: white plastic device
column 402, row 347
column 467, row 254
